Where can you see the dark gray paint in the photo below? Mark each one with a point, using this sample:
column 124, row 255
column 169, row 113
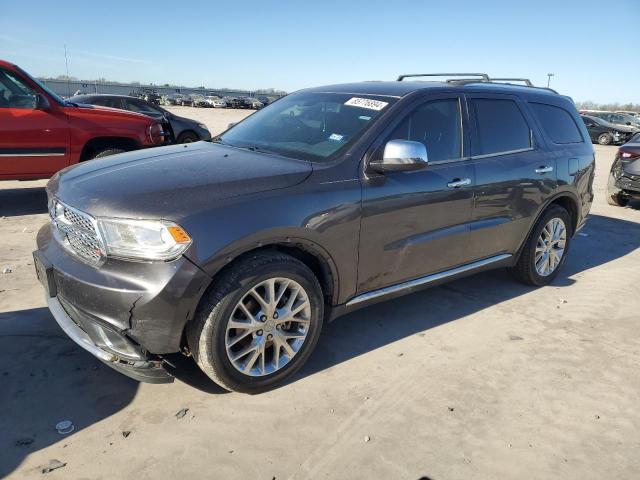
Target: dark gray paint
column 369, row 231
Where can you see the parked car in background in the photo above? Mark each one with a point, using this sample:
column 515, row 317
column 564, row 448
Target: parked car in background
column 40, row 133
column 329, row 200
column 624, row 177
column 180, row 129
column 618, row 119
column 629, row 112
column 185, row 100
column 606, row 133
column 170, row 99
column 232, row 102
column 214, row 101
column 199, row 100
column 250, row 102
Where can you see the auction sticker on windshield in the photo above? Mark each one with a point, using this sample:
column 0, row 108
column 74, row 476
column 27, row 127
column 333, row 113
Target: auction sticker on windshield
column 366, row 103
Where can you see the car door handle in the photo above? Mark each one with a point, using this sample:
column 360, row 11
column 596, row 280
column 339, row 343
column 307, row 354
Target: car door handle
column 459, row 182
column 542, row 170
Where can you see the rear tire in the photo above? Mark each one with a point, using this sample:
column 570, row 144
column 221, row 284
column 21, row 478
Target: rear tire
column 605, row 139
column 530, row 268
column 106, row 152
column 187, row 137
column 218, row 348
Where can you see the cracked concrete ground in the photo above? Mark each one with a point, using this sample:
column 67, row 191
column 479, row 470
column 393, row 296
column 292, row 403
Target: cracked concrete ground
column 481, row 378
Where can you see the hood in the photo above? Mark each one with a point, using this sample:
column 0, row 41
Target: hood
column 173, row 182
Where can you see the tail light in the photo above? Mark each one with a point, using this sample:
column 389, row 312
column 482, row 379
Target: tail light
column 156, row 134
column 627, row 155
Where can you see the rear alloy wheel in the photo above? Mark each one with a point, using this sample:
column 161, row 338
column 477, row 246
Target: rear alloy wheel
column 546, row 248
column 259, row 324
column 605, row 139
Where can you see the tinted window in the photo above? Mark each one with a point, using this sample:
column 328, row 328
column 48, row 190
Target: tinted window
column 107, row 102
column 437, row 124
column 308, row 125
column 141, row 107
column 557, row 123
column 14, row 93
column 501, row 126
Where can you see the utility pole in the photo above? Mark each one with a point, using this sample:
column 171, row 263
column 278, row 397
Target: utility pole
column 549, row 75
column 66, row 63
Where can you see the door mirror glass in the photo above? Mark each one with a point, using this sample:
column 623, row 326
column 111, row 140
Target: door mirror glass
column 401, row 156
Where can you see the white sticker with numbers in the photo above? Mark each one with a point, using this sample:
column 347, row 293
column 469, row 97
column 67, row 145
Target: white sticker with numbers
column 366, row 103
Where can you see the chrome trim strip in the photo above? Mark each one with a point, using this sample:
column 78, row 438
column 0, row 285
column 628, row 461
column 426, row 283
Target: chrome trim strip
column 426, row 280
column 32, row 154
column 499, row 154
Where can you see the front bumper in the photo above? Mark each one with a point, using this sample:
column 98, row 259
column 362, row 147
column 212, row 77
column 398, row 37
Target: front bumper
column 143, row 370
column 125, row 313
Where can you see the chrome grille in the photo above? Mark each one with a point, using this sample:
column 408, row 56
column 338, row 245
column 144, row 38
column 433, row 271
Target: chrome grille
column 78, row 231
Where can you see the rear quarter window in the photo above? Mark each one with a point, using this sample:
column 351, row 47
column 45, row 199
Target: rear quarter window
column 557, row 123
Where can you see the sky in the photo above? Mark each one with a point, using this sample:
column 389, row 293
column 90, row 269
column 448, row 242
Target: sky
column 291, row 44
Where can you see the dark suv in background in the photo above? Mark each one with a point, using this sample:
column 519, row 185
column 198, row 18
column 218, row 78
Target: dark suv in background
column 236, row 251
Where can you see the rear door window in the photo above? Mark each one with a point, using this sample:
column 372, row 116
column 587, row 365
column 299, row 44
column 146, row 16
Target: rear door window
column 557, row 123
column 501, row 127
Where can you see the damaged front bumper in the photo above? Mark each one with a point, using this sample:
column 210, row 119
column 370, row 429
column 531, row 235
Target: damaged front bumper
column 141, row 369
column 127, row 314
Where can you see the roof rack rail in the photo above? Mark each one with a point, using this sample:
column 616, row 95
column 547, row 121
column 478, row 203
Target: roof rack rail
column 484, row 77
column 526, row 81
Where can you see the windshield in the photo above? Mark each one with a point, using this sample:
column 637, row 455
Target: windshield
column 43, row 87
column 308, row 125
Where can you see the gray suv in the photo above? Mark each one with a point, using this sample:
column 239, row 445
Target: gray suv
column 237, row 250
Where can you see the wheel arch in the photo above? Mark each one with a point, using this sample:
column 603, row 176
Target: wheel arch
column 100, row 143
column 315, row 257
column 567, row 200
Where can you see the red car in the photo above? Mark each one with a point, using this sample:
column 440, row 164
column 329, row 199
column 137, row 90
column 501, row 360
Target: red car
column 40, row 133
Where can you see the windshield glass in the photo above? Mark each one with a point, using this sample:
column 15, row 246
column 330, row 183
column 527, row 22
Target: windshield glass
column 44, row 87
column 308, row 125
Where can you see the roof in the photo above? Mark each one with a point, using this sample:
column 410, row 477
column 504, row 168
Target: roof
column 400, row 89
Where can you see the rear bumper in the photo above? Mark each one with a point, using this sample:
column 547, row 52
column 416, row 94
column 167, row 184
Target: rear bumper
column 143, row 369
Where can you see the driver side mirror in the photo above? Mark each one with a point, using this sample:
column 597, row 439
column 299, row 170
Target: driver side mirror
column 41, row 102
column 401, row 156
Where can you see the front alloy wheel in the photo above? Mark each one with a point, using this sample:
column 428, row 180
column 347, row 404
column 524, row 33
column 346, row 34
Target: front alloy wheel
column 268, row 327
column 258, row 323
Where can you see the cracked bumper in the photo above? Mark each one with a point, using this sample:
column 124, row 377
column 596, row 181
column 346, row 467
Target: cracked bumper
column 147, row 304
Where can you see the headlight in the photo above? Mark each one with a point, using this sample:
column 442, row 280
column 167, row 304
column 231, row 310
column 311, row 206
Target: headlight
column 203, row 126
column 143, row 239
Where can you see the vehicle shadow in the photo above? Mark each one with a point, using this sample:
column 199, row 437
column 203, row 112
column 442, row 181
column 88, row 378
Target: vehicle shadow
column 47, row 378
column 603, row 240
column 15, row 202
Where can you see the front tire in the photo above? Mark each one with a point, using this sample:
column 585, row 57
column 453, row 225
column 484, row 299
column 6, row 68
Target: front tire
column 546, row 248
column 259, row 323
column 105, row 152
column 187, row 137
